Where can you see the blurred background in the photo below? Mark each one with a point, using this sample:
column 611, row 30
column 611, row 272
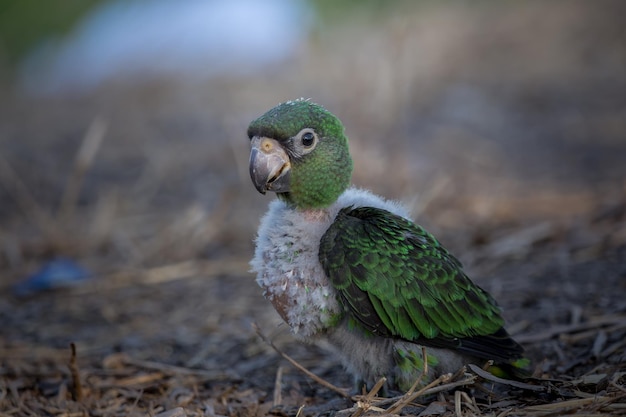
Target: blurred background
column 123, row 153
column 122, row 121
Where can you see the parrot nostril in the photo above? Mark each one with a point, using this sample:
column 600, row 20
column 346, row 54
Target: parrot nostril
column 266, row 145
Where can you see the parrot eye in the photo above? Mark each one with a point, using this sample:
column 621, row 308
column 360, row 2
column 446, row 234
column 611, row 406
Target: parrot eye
column 308, row 138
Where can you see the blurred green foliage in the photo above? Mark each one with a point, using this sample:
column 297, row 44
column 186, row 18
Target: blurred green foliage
column 25, row 23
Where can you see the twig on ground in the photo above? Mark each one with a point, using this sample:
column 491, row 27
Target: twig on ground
column 461, row 398
column 430, row 391
column 300, row 410
column 176, row 412
column 341, row 391
column 142, row 379
column 490, row 377
column 77, row 387
column 570, row 406
column 408, row 399
column 457, row 404
column 364, row 404
column 278, row 397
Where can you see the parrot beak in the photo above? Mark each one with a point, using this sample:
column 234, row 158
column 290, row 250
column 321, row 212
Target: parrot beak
column 269, row 165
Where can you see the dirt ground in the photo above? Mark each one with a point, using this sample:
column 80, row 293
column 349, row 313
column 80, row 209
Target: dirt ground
column 503, row 128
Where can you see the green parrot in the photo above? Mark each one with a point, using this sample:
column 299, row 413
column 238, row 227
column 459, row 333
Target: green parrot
column 347, row 267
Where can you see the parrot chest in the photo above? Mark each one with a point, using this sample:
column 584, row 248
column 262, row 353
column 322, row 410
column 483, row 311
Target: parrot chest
column 288, row 269
column 286, row 261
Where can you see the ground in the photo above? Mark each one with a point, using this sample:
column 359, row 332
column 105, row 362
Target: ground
column 505, row 133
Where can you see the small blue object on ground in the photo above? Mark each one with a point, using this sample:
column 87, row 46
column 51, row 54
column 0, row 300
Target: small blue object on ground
column 58, row 273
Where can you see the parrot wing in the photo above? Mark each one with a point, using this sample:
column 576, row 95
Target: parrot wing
column 396, row 280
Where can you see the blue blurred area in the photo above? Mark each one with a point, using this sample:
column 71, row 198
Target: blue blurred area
column 58, row 273
column 182, row 38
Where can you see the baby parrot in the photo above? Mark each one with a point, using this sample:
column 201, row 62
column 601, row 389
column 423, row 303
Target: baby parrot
column 343, row 265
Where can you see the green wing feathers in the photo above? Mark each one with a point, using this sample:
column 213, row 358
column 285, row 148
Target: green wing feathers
column 398, row 281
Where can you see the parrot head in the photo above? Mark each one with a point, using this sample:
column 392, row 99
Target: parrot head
column 300, row 152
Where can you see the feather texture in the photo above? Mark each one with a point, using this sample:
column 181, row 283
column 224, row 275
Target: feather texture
column 397, row 281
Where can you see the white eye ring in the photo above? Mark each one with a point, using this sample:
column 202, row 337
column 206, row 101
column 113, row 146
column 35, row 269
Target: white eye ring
column 307, row 140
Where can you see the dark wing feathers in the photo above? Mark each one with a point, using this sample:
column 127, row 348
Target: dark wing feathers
column 398, row 281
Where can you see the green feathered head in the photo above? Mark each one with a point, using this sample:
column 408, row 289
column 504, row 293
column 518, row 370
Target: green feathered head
column 300, row 151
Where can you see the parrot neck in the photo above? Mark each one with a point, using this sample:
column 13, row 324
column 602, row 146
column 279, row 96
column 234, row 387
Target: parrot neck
column 305, row 203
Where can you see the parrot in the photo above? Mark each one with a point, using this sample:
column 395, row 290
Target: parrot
column 348, row 268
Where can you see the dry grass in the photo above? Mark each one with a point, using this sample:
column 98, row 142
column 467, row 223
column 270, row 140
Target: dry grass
column 51, row 383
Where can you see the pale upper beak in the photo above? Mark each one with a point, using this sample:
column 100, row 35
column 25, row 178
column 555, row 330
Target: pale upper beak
column 270, row 167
